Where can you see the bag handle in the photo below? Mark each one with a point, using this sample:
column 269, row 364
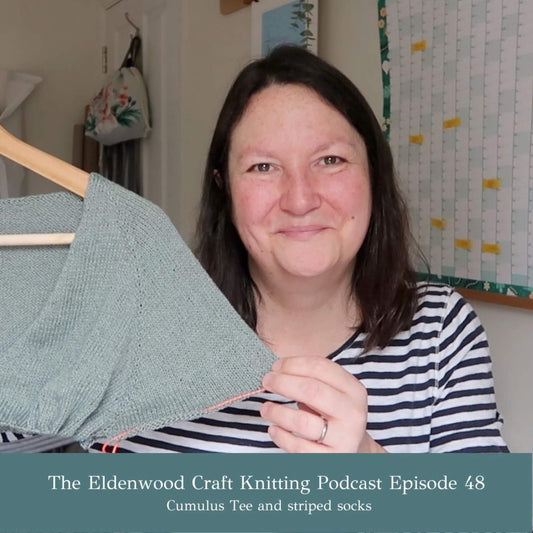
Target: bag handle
column 130, row 59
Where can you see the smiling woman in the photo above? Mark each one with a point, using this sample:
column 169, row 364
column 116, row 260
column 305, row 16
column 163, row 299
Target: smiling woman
column 301, row 195
column 303, row 229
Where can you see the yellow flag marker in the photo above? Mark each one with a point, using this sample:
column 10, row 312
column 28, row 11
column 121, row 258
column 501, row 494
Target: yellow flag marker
column 438, row 223
column 416, row 139
column 465, row 244
column 491, row 183
column 452, row 122
column 419, row 45
column 491, row 247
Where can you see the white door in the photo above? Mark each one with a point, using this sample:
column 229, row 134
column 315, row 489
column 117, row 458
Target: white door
column 158, row 21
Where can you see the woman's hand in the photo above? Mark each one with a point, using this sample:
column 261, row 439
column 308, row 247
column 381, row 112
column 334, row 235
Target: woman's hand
column 332, row 412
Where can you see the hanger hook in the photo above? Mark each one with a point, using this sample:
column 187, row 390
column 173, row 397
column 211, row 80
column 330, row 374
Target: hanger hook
column 137, row 29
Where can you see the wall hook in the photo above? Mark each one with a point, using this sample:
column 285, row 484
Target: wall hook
column 130, row 22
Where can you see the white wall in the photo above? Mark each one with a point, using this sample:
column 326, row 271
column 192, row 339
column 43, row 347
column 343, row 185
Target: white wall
column 510, row 333
column 214, row 49
column 348, row 38
column 59, row 41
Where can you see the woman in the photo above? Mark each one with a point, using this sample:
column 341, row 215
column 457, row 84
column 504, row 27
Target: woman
column 303, row 229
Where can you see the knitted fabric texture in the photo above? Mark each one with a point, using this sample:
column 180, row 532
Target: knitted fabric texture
column 122, row 331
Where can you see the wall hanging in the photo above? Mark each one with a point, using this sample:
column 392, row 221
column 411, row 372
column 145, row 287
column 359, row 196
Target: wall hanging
column 458, row 89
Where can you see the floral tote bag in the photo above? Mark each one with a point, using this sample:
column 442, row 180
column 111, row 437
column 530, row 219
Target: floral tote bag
column 119, row 112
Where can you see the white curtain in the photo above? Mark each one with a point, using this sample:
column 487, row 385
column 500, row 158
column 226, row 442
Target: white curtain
column 15, row 87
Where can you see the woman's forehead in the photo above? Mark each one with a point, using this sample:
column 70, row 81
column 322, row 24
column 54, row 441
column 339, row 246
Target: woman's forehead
column 296, row 109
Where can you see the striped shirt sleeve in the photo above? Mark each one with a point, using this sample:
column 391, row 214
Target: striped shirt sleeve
column 11, row 442
column 464, row 416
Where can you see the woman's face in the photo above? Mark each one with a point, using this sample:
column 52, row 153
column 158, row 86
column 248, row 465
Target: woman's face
column 300, row 185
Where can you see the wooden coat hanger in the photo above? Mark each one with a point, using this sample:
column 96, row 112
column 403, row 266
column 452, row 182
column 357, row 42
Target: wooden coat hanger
column 51, row 168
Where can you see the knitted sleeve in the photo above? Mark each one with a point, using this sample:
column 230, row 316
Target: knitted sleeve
column 189, row 352
column 464, row 418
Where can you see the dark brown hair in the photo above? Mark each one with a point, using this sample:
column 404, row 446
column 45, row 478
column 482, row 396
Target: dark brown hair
column 383, row 281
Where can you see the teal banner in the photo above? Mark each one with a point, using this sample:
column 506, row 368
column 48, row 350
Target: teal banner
column 265, row 493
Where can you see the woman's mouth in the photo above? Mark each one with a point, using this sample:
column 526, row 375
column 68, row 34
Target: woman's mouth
column 301, row 233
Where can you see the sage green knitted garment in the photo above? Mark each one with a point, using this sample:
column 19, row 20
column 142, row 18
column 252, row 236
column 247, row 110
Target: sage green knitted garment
column 120, row 332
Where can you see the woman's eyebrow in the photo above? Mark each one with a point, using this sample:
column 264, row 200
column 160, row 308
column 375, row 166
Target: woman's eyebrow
column 328, row 145
column 254, row 152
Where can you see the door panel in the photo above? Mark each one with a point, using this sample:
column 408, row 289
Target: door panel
column 159, row 22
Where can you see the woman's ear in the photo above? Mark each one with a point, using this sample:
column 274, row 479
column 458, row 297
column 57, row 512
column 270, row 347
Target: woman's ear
column 218, row 179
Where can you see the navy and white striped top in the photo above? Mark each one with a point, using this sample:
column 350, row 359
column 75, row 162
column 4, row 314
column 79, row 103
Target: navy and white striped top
column 430, row 390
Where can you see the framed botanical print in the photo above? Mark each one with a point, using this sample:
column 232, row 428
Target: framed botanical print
column 277, row 22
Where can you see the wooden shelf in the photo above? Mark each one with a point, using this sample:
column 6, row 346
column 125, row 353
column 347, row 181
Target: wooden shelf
column 229, row 6
column 495, row 298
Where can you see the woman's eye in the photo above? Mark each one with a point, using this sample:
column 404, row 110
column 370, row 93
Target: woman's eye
column 332, row 160
column 262, row 167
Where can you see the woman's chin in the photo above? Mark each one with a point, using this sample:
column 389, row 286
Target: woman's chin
column 308, row 268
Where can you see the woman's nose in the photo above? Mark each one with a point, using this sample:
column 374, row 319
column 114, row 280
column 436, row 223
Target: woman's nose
column 299, row 195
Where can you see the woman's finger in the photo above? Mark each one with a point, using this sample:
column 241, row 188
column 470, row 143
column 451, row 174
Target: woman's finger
column 294, row 444
column 301, row 423
column 320, row 396
column 322, row 369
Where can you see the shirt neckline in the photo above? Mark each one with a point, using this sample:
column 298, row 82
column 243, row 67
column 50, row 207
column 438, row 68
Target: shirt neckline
column 346, row 344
